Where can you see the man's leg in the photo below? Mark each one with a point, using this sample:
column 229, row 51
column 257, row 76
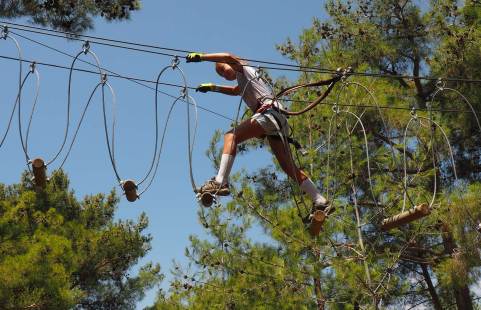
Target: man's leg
column 282, row 153
column 246, row 130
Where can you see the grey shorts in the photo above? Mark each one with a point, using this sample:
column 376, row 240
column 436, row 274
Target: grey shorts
column 269, row 120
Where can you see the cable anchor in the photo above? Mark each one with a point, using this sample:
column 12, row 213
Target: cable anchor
column 86, row 47
column 5, row 31
column 175, row 62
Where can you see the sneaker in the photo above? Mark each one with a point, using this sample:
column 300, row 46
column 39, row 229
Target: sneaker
column 215, row 188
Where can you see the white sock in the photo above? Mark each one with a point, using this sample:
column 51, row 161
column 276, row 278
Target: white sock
column 308, row 187
column 226, row 163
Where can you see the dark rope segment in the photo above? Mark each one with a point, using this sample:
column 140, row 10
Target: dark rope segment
column 330, row 82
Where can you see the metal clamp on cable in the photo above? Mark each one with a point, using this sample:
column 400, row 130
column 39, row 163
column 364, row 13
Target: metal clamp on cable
column 103, row 78
column 183, row 92
column 413, row 113
column 344, row 73
column 175, row 62
column 86, row 47
column 335, row 108
column 440, row 84
column 4, row 32
column 33, row 66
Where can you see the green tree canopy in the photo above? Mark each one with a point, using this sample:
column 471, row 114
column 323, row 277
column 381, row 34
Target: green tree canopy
column 60, row 253
column 68, row 15
column 353, row 263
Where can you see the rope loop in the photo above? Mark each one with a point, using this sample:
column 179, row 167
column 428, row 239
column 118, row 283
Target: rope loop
column 86, row 47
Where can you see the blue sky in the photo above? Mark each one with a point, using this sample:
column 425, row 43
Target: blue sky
column 250, row 29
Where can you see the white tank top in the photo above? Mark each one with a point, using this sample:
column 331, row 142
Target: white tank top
column 257, row 90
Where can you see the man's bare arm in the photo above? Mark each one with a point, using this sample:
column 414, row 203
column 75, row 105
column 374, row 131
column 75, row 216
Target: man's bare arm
column 228, row 58
column 228, row 90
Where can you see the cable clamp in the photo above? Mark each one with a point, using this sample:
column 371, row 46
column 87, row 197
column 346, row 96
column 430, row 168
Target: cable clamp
column 440, row 84
column 86, row 47
column 175, row 62
column 335, row 108
column 345, row 73
column 103, row 78
column 183, row 92
column 33, row 65
column 413, row 113
column 4, row 32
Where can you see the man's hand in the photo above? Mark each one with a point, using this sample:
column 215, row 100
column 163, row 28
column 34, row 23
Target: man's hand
column 203, row 88
column 193, row 57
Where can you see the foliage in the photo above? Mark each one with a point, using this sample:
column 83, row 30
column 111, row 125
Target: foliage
column 357, row 157
column 60, row 253
column 68, row 15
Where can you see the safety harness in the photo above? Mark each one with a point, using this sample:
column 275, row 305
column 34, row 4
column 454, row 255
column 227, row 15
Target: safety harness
column 277, row 122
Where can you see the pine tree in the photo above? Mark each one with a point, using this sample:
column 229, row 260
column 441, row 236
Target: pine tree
column 68, row 15
column 60, row 253
column 358, row 157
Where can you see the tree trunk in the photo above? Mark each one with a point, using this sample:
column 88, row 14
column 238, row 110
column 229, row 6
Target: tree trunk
column 461, row 294
column 319, row 297
column 432, row 290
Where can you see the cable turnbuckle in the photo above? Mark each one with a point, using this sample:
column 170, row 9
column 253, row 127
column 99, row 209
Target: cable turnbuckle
column 4, row 32
column 86, row 47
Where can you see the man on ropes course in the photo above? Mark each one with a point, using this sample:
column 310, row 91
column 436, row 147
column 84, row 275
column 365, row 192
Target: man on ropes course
column 267, row 121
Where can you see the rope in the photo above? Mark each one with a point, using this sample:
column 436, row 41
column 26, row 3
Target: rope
column 139, row 47
column 5, row 35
